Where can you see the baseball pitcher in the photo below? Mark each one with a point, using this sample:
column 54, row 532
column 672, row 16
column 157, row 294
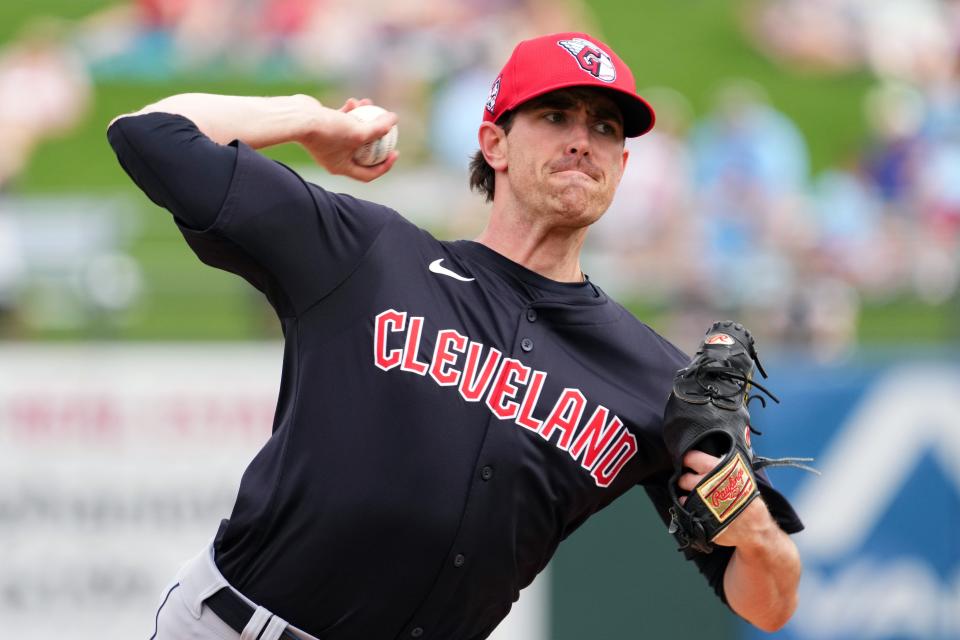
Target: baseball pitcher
column 449, row 412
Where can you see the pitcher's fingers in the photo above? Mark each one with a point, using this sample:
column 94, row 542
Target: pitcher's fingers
column 688, row 481
column 699, row 461
column 353, row 103
column 379, row 126
column 349, row 105
column 366, row 174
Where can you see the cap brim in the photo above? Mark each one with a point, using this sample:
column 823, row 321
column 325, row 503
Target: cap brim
column 638, row 115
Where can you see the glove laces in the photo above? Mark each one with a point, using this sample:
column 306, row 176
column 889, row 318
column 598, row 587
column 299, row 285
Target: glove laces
column 708, row 369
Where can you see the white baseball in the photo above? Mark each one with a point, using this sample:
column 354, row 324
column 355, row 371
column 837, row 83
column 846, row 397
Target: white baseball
column 376, row 151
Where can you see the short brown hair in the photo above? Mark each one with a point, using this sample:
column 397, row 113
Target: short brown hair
column 482, row 174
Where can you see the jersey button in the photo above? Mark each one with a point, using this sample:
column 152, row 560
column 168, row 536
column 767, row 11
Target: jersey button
column 416, row 632
column 532, row 315
column 486, row 473
column 459, row 560
column 526, row 344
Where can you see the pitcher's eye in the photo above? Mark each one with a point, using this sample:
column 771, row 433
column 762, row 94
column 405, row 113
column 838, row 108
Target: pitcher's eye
column 554, row 116
column 605, row 128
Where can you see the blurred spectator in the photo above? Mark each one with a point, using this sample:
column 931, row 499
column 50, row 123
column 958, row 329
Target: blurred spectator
column 750, row 169
column 895, row 112
column 746, row 142
column 938, row 184
column 847, row 217
column 335, row 40
column 907, row 39
column 904, row 39
column 914, row 165
column 812, row 34
column 44, row 92
column 457, row 107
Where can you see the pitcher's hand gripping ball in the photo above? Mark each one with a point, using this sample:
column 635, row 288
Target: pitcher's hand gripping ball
column 375, row 151
column 707, row 410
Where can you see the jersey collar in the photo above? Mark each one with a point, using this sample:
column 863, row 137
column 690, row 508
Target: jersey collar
column 581, row 292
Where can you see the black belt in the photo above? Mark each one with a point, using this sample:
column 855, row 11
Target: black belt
column 233, row 610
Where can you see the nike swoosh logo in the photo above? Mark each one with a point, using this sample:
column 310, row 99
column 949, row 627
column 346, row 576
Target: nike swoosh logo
column 436, row 267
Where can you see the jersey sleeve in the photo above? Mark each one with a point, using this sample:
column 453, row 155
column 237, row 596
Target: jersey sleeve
column 711, row 565
column 244, row 213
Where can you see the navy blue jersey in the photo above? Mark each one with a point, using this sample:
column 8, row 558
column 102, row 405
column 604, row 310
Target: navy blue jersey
column 446, row 417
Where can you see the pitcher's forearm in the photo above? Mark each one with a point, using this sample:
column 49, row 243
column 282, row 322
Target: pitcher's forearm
column 257, row 121
column 762, row 578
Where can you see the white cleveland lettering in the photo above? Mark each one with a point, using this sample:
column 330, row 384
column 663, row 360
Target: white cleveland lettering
column 602, row 445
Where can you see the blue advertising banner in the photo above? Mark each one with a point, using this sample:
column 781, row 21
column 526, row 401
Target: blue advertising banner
column 881, row 549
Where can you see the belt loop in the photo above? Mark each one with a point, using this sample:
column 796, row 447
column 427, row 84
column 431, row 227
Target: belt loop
column 199, row 579
column 256, row 624
column 274, row 628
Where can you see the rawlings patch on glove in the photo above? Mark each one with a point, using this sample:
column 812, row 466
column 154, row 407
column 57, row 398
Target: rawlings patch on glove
column 707, row 411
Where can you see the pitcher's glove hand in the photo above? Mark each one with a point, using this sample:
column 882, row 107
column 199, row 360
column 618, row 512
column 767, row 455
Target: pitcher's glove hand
column 707, row 410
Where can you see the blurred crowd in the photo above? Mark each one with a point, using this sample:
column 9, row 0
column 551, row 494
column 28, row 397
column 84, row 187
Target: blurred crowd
column 717, row 214
column 340, row 41
column 738, row 223
column 913, row 40
column 723, row 214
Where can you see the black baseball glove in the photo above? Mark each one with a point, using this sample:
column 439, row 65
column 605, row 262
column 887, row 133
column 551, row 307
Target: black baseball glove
column 707, row 410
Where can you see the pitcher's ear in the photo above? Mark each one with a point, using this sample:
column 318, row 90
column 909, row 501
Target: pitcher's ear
column 493, row 145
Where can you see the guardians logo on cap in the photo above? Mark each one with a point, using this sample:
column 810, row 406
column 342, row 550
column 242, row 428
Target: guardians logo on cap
column 564, row 60
column 592, row 58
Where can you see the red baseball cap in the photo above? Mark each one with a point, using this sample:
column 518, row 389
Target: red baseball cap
column 561, row 60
